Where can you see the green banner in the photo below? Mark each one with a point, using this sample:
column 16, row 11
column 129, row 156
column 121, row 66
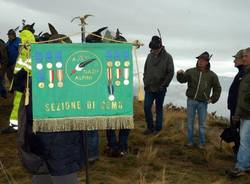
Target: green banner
column 82, row 86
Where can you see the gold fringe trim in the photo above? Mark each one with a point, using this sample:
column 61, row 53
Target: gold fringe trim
column 83, row 123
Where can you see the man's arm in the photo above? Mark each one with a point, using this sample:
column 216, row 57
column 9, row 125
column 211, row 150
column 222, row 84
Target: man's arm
column 169, row 72
column 216, row 90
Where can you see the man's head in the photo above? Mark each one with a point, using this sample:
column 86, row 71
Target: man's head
column 155, row 43
column 11, row 34
column 203, row 60
column 238, row 58
column 246, row 57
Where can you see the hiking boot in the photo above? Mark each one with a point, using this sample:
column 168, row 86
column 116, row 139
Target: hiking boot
column 235, row 173
column 202, row 147
column 148, row 132
column 247, row 170
column 189, row 145
column 156, row 132
column 113, row 152
column 123, row 153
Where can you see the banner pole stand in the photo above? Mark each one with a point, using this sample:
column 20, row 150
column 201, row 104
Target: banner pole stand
column 85, row 134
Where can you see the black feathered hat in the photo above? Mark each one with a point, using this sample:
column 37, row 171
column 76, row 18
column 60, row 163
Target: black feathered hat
column 155, row 43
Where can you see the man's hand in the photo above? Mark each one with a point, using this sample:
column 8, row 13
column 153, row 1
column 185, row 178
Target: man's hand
column 180, row 72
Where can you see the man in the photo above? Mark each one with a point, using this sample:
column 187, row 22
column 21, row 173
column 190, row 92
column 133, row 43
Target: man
column 12, row 48
column 158, row 73
column 117, row 145
column 51, row 157
column 200, row 80
column 232, row 97
column 242, row 113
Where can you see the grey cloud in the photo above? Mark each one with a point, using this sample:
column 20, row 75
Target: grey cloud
column 188, row 27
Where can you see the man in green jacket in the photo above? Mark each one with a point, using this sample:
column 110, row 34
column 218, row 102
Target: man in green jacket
column 243, row 114
column 201, row 81
column 158, row 73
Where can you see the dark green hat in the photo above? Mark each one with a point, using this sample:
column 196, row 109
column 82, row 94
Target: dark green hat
column 239, row 54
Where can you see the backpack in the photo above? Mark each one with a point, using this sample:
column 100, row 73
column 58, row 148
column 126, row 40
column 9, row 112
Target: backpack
column 229, row 135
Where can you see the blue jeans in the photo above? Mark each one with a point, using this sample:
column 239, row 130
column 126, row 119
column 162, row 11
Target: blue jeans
column 201, row 108
column 243, row 156
column 93, row 145
column 122, row 143
column 150, row 97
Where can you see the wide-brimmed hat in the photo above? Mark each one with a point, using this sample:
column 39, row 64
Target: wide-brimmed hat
column 155, row 43
column 205, row 55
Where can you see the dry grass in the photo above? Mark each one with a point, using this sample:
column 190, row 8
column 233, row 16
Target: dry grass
column 161, row 159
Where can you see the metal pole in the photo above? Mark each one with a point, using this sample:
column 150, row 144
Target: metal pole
column 85, row 132
column 83, row 33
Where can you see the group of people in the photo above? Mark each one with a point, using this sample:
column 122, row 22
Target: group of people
column 57, row 156
column 203, row 87
column 53, row 157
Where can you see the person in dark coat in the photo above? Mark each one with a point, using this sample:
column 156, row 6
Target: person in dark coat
column 158, row 73
column 51, row 157
column 242, row 114
column 232, row 97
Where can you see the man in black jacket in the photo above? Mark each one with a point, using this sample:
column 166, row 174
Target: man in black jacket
column 232, row 97
column 242, row 114
column 158, row 73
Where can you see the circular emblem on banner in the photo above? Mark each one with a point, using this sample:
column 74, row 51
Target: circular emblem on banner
column 117, row 83
column 109, row 64
column 59, row 65
column 126, row 63
column 60, row 84
column 41, row 84
column 83, row 68
column 49, row 65
column 117, row 63
column 51, row 85
column 39, row 66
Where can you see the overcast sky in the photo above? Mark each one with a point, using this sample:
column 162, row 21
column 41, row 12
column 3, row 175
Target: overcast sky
column 188, row 27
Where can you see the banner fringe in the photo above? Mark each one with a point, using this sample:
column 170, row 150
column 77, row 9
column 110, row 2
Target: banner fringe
column 83, row 123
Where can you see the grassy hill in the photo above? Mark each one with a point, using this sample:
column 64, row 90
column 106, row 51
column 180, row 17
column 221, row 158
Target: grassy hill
column 160, row 159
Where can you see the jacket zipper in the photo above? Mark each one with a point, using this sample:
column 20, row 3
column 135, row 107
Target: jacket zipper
column 198, row 86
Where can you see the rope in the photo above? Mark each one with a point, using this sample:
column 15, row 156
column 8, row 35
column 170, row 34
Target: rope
column 137, row 67
column 136, row 43
column 58, row 39
column 7, row 175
